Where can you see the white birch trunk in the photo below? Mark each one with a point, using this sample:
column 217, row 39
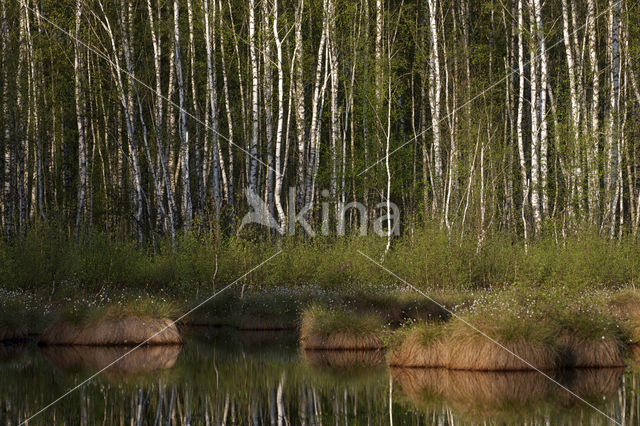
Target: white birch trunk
column 278, row 171
column 523, row 160
column 435, row 89
column 213, row 110
column 592, row 152
column 253, row 147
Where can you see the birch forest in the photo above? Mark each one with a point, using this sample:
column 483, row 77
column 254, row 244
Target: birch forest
column 148, row 117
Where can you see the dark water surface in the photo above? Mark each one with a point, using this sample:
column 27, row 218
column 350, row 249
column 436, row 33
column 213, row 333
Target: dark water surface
column 228, row 377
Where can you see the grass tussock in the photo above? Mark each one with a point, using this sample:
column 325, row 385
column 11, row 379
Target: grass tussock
column 422, row 345
column 337, row 329
column 519, row 329
column 469, row 350
column 591, row 353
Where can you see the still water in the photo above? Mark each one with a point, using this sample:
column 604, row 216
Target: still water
column 224, row 377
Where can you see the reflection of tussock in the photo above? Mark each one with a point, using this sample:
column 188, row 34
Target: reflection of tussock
column 344, row 359
column 592, row 383
column 113, row 331
column 11, row 333
column 421, row 385
column 482, row 395
column 341, row 341
column 589, row 353
column 141, row 360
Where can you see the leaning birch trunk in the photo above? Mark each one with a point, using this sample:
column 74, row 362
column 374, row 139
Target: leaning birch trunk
column 187, row 211
column 198, row 150
column 315, row 110
column 159, row 103
column 227, row 103
column 278, row 171
column 128, row 119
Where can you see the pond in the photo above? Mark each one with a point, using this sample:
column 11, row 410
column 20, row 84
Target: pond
column 228, row 377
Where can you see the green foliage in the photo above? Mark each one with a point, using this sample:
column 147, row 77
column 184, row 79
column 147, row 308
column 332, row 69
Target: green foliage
column 328, row 321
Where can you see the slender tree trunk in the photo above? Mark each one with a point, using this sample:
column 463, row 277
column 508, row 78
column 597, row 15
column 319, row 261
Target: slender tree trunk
column 278, row 170
column 576, row 185
column 299, row 108
column 253, row 147
column 535, row 117
column 187, row 209
column 227, row 102
column 213, row 109
column 435, row 89
column 9, row 146
column 80, row 122
column 523, row 160
column 592, row 152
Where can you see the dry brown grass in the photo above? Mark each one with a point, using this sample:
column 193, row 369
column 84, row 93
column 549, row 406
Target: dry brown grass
column 589, row 353
column 142, row 359
column 479, row 353
column 113, row 331
column 626, row 304
column 10, row 332
column 421, row 347
column 344, row 359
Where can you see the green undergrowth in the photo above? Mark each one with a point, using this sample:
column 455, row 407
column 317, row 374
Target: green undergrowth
column 319, row 320
column 140, row 306
column 51, row 270
column 430, row 259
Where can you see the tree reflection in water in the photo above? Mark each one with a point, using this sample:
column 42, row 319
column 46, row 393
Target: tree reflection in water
column 226, row 378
